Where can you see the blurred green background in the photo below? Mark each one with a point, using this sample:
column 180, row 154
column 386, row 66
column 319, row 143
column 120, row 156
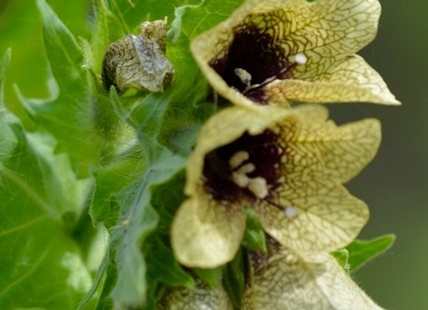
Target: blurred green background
column 394, row 185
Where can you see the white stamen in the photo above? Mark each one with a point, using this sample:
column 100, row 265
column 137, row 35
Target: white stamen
column 243, row 75
column 290, row 211
column 240, row 179
column 238, row 158
column 258, row 187
column 247, row 168
column 300, row 59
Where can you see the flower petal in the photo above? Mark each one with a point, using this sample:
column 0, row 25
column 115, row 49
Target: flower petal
column 308, row 209
column 351, row 80
column 327, row 31
column 314, row 214
column 344, row 150
column 205, row 234
column 284, row 280
column 202, row 297
column 347, row 149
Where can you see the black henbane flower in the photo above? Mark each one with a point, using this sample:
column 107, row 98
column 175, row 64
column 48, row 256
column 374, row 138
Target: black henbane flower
column 273, row 51
column 288, row 165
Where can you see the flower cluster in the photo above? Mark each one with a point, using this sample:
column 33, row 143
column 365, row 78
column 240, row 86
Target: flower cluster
column 287, row 163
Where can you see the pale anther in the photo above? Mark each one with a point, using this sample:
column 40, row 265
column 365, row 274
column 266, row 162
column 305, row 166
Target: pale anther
column 247, row 168
column 238, row 158
column 258, row 187
column 240, row 179
column 244, row 76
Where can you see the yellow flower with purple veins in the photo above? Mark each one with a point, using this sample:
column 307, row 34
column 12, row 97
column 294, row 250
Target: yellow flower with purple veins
column 286, row 164
column 274, row 51
column 282, row 279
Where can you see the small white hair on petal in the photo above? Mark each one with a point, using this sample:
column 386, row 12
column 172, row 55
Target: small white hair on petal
column 290, row 211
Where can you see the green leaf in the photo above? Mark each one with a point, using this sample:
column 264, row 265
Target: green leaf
column 142, row 10
column 28, row 68
column 137, row 217
column 254, row 236
column 107, row 274
column 107, row 28
column 67, row 113
column 163, row 266
column 123, row 170
column 193, row 19
column 41, row 203
column 342, row 257
column 211, row 276
column 3, row 68
column 137, row 208
column 30, row 308
column 360, row 252
column 234, row 279
column 9, row 141
column 99, row 285
column 164, row 269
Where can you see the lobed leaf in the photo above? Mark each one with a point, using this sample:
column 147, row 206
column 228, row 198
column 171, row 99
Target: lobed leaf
column 67, row 113
column 254, row 236
column 361, row 251
column 41, row 203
